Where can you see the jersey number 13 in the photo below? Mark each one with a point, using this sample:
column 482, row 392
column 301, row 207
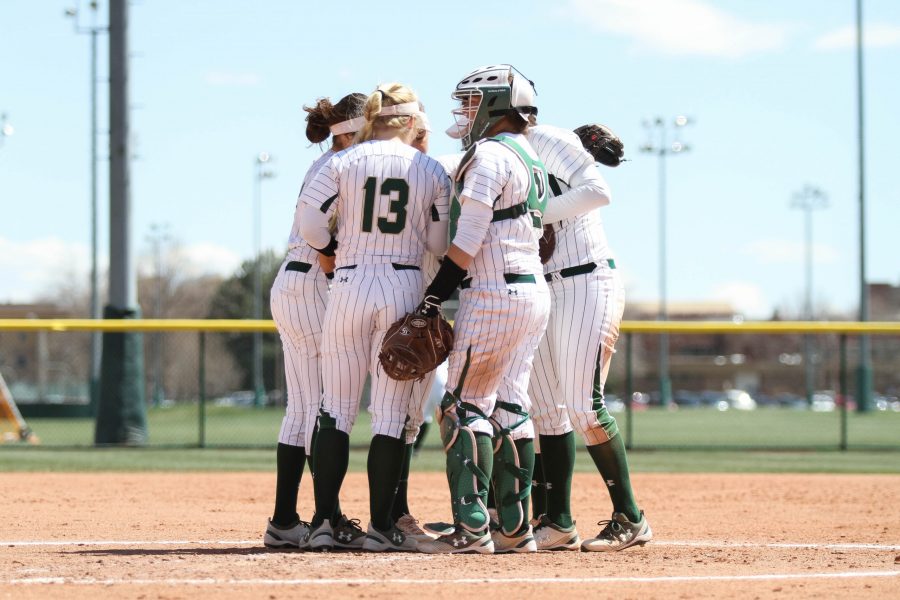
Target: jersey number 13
column 397, row 190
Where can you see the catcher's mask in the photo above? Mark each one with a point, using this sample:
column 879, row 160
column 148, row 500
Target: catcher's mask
column 486, row 95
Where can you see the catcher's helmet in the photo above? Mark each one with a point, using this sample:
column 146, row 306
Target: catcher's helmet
column 488, row 94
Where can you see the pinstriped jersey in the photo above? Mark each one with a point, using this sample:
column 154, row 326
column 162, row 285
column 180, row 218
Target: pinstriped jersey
column 581, row 239
column 499, row 178
column 298, row 249
column 384, row 193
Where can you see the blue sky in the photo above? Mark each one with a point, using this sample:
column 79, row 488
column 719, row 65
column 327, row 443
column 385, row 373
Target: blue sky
column 769, row 84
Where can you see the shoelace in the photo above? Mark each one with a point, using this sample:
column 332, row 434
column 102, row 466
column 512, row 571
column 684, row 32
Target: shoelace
column 351, row 523
column 614, row 527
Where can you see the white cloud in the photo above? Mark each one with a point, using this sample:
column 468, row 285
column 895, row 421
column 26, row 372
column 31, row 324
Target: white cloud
column 35, row 266
column 207, row 259
column 875, row 35
column 788, row 252
column 686, row 27
column 230, row 78
column 747, row 298
column 192, row 260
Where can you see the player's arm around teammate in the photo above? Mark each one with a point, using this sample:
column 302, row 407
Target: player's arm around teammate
column 503, row 303
column 389, row 201
column 298, row 300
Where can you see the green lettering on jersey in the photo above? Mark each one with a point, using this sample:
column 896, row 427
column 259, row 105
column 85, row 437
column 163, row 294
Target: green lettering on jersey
column 398, row 192
column 539, row 185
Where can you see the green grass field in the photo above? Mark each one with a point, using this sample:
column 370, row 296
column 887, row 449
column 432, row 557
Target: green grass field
column 714, row 437
column 702, row 428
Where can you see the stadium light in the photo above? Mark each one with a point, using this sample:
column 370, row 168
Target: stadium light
column 662, row 148
column 6, row 130
column 93, row 30
column 262, row 159
column 809, row 199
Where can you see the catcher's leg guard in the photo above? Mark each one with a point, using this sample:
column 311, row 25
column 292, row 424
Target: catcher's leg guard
column 468, row 480
column 513, row 470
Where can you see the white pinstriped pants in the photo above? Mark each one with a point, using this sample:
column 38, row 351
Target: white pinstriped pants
column 499, row 329
column 298, row 303
column 364, row 302
column 572, row 361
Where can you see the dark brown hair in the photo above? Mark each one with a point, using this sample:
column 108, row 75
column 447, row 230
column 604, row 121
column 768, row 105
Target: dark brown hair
column 325, row 114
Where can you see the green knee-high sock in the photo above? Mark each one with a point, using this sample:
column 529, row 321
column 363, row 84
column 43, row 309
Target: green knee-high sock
column 290, row 461
column 401, row 499
column 385, row 462
column 612, row 463
column 311, row 458
column 485, row 462
column 420, row 439
column 538, row 489
column 558, row 454
column 332, row 456
column 525, row 450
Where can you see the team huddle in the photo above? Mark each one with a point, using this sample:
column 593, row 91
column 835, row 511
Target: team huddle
column 383, row 235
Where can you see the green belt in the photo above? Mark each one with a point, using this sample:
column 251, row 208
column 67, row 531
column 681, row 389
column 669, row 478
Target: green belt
column 508, row 277
column 579, row 270
column 296, row 265
column 397, row 267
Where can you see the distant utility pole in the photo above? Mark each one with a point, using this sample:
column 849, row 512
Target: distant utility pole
column 864, row 371
column 809, row 199
column 259, row 391
column 93, row 30
column 159, row 235
column 663, row 148
column 121, row 412
column 6, row 130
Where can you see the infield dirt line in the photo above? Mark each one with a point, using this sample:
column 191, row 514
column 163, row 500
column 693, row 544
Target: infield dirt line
column 463, row 581
column 677, row 543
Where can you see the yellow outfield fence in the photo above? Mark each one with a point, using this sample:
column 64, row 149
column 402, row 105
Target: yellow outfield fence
column 649, row 327
column 196, row 371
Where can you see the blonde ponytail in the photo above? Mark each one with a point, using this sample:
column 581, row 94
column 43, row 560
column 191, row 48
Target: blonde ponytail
column 387, row 94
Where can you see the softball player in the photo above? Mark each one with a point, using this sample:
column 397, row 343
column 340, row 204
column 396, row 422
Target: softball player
column 389, row 201
column 573, row 359
column 503, row 308
column 298, row 299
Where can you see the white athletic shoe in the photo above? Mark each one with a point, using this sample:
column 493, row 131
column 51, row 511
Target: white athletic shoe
column 392, row 540
column 521, row 543
column 293, row 537
column 459, row 541
column 619, row 533
column 410, row 526
column 321, row 538
column 550, row 536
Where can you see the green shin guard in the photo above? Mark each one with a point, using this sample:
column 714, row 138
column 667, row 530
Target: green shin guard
column 466, row 463
column 513, row 468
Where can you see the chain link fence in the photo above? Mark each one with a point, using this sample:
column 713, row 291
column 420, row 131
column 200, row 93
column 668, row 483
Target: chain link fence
column 729, row 390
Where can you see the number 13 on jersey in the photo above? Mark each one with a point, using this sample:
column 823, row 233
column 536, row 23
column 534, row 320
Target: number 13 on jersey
column 397, row 190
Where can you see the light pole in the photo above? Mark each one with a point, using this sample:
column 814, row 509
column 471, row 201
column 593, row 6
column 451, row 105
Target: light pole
column 6, row 130
column 93, row 30
column 809, row 199
column 159, row 235
column 662, row 149
column 864, row 370
column 261, row 173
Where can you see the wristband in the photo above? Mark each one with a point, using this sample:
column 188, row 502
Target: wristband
column 447, row 279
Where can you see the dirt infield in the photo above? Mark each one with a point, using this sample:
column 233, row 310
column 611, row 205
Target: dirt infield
column 161, row 535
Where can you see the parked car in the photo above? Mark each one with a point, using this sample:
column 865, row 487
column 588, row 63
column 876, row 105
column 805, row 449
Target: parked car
column 740, row 400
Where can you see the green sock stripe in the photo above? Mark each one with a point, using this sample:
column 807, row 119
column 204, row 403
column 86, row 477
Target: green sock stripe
column 606, row 420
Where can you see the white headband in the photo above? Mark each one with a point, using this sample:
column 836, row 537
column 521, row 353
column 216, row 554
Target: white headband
column 423, row 121
column 405, row 109
column 349, row 126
